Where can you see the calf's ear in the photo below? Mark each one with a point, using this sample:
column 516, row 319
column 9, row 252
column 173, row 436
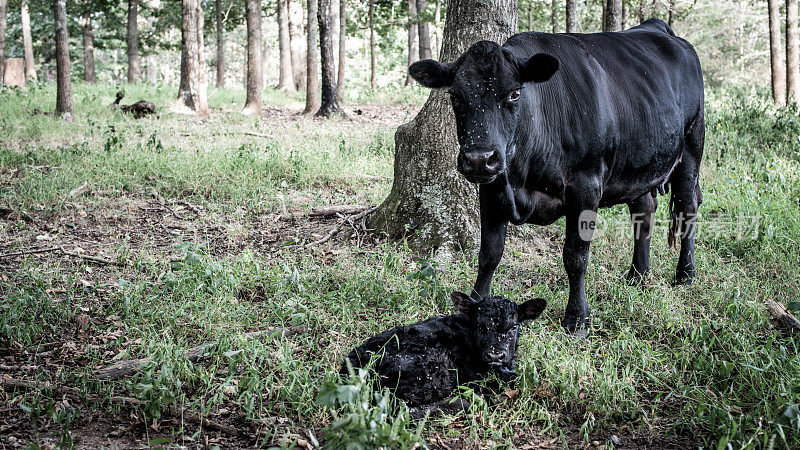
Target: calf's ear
column 463, row 302
column 431, row 73
column 530, row 309
column 538, row 68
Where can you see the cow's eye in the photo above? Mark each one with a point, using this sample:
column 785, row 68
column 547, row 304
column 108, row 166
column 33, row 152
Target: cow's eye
column 513, row 96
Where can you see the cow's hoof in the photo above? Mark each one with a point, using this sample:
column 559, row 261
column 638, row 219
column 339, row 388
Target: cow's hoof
column 576, row 328
column 635, row 278
column 579, row 335
column 683, row 279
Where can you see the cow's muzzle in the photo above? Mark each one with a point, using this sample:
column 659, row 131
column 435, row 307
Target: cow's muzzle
column 479, row 165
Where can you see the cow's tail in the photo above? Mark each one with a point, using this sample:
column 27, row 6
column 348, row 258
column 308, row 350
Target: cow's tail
column 673, row 222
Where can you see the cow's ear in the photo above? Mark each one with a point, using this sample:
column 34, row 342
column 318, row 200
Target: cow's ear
column 431, row 73
column 463, row 302
column 539, row 67
column 531, row 309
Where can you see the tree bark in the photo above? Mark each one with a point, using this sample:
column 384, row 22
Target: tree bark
column 253, row 15
column 202, row 73
column 88, row 49
column 330, row 103
column 340, row 80
column 191, row 93
column 625, row 15
column 413, row 37
column 430, row 203
column 671, row 12
column 3, row 10
column 572, row 16
column 778, row 68
column 792, row 49
column 27, row 42
column 424, row 31
column 554, row 16
column 220, row 45
column 312, row 61
column 373, row 83
column 63, row 81
column 298, row 43
column 133, row 41
column 613, row 16
column 285, row 77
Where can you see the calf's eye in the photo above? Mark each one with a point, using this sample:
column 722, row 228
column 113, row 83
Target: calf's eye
column 513, row 96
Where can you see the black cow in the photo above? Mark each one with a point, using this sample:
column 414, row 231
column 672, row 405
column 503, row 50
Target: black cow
column 424, row 362
column 556, row 125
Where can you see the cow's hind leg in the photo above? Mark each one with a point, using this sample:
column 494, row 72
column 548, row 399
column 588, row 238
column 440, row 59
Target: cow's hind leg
column 686, row 198
column 642, row 211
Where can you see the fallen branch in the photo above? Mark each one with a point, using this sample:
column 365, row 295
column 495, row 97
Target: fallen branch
column 115, row 399
column 324, row 211
column 62, row 250
column 782, row 315
column 253, row 133
column 335, row 230
column 126, row 367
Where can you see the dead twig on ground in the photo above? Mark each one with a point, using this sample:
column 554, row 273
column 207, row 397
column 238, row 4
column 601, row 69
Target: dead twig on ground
column 189, row 415
column 123, row 368
column 62, row 250
column 782, row 315
column 335, row 230
column 324, row 211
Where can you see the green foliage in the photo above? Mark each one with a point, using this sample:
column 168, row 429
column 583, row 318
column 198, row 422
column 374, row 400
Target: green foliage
column 364, row 418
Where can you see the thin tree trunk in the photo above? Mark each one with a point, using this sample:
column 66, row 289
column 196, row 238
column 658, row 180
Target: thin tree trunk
column 3, row 10
column 437, row 19
column 63, row 81
column 413, row 37
column 88, row 49
column 792, row 49
column 312, row 61
column 220, row 45
column 642, row 11
column 202, row 73
column 429, row 199
column 133, row 41
column 775, row 53
column 27, row 42
column 530, row 16
column 554, row 16
column 572, row 16
column 340, row 80
column 373, row 84
column 191, row 94
column 330, row 103
column 253, row 15
column 613, row 15
column 671, row 14
column 285, row 77
column 424, row 31
column 625, row 15
column 298, row 43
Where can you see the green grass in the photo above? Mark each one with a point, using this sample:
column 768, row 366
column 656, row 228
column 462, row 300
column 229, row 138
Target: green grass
column 665, row 366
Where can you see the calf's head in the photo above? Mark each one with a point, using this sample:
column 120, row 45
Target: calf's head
column 494, row 327
column 485, row 86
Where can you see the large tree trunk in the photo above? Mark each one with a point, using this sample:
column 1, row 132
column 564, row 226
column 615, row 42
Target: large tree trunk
column 3, row 10
column 253, row 15
column 429, row 199
column 330, row 103
column 312, row 60
column 191, row 93
column 88, row 49
column 220, row 45
column 340, row 80
column 373, row 72
column 613, row 16
column 775, row 54
column 63, row 81
column 285, row 77
column 413, row 37
column 572, row 16
column 792, row 49
column 424, row 31
column 27, row 41
column 133, row 41
column 298, row 41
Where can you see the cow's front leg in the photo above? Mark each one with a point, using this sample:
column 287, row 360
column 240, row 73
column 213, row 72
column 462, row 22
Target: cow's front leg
column 579, row 233
column 493, row 241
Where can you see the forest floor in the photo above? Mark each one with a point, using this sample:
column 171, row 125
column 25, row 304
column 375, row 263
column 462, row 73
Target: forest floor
column 182, row 242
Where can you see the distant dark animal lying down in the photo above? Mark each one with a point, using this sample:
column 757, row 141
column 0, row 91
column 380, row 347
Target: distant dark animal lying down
column 138, row 110
column 424, row 362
